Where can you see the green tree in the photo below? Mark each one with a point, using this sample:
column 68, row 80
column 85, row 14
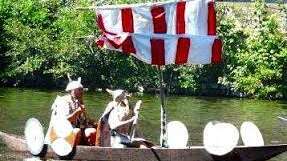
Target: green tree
column 42, row 41
column 258, row 65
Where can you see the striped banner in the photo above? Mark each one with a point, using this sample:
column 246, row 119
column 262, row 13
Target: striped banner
column 182, row 32
column 195, row 17
column 164, row 49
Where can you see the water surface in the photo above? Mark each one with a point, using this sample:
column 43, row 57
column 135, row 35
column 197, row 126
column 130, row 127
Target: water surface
column 18, row 105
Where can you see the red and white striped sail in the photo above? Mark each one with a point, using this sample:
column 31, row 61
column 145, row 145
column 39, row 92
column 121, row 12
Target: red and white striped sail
column 162, row 33
column 163, row 49
column 194, row 17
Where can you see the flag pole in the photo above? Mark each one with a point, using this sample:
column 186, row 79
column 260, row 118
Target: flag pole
column 163, row 136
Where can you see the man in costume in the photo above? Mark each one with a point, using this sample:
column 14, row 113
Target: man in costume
column 71, row 107
column 116, row 126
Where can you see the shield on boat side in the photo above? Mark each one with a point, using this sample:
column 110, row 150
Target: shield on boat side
column 251, row 135
column 34, row 136
column 177, row 135
column 65, row 138
column 220, row 138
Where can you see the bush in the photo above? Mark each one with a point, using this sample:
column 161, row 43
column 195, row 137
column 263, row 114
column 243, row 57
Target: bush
column 256, row 66
column 42, row 41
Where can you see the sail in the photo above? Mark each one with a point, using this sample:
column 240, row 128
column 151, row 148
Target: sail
column 158, row 49
column 194, row 17
column 182, row 32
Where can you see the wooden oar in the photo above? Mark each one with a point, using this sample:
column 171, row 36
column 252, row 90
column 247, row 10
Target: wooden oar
column 136, row 111
column 34, row 136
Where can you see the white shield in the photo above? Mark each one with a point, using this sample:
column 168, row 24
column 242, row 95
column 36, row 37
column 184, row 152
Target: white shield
column 34, row 136
column 251, row 135
column 220, row 138
column 177, row 135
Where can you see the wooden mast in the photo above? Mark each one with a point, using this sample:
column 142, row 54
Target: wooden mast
column 163, row 136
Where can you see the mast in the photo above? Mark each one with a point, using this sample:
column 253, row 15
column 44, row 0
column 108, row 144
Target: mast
column 163, row 136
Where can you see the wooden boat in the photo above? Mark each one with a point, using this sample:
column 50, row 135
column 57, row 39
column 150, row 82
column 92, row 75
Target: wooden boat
column 193, row 153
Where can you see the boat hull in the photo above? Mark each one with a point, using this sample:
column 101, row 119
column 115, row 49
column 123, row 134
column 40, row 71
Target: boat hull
column 194, row 153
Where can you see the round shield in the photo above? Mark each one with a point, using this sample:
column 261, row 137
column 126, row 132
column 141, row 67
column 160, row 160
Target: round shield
column 251, row 135
column 65, row 138
column 62, row 127
column 177, row 135
column 61, row 147
column 220, row 138
column 34, row 136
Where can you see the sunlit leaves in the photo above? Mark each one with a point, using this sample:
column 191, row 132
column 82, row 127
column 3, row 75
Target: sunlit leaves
column 259, row 65
column 43, row 40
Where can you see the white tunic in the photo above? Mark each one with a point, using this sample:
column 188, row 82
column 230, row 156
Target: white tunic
column 61, row 109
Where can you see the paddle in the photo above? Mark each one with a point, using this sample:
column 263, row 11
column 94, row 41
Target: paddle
column 64, row 141
column 220, row 138
column 34, row 136
column 136, row 112
column 251, row 135
column 177, row 135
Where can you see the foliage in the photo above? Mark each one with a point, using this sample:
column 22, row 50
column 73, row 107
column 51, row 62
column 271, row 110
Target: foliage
column 46, row 41
column 42, row 41
column 258, row 66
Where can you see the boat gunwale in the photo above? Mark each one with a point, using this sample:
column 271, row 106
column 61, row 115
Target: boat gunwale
column 191, row 153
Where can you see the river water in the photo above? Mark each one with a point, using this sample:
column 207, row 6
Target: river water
column 18, row 105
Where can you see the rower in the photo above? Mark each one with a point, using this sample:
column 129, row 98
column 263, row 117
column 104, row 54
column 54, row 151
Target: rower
column 117, row 117
column 119, row 123
column 72, row 108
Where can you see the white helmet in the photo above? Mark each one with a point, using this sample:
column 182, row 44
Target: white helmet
column 118, row 95
column 74, row 84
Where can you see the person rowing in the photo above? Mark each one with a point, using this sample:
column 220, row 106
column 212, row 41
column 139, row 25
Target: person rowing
column 117, row 116
column 119, row 120
column 71, row 107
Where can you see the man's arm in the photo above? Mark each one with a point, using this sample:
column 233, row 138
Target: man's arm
column 121, row 123
column 76, row 114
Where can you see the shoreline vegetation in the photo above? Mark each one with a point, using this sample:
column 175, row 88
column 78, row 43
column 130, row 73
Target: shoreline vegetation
column 42, row 41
